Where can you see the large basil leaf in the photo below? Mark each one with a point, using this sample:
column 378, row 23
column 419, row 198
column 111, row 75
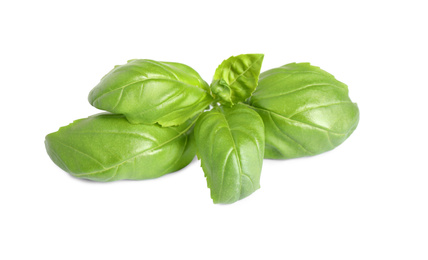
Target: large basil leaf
column 106, row 147
column 230, row 144
column 236, row 78
column 148, row 91
column 305, row 110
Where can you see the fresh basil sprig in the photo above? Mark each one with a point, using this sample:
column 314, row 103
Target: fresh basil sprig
column 159, row 123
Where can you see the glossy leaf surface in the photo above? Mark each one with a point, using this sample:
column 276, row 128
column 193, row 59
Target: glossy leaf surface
column 230, row 145
column 106, row 147
column 236, row 78
column 149, row 92
column 305, row 110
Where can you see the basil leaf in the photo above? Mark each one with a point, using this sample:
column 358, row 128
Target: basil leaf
column 149, row 92
column 236, row 78
column 106, row 147
column 230, row 144
column 305, row 110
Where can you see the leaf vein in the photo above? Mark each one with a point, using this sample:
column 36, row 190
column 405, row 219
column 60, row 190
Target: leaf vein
column 78, row 151
column 302, row 88
column 300, row 122
column 312, row 108
column 236, row 152
column 284, row 133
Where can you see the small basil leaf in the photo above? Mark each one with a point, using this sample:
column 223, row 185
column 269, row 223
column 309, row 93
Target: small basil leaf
column 305, row 110
column 149, row 92
column 106, row 147
column 221, row 89
column 230, row 145
column 236, row 78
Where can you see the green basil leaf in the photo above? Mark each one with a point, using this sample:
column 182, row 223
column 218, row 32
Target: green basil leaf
column 305, row 110
column 106, row 147
column 149, row 92
column 236, row 78
column 230, row 144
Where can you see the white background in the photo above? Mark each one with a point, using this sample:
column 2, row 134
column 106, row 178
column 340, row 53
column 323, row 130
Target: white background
column 367, row 199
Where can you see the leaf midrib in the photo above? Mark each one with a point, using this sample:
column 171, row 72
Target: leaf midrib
column 241, row 173
column 143, row 80
column 299, row 89
column 289, row 119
